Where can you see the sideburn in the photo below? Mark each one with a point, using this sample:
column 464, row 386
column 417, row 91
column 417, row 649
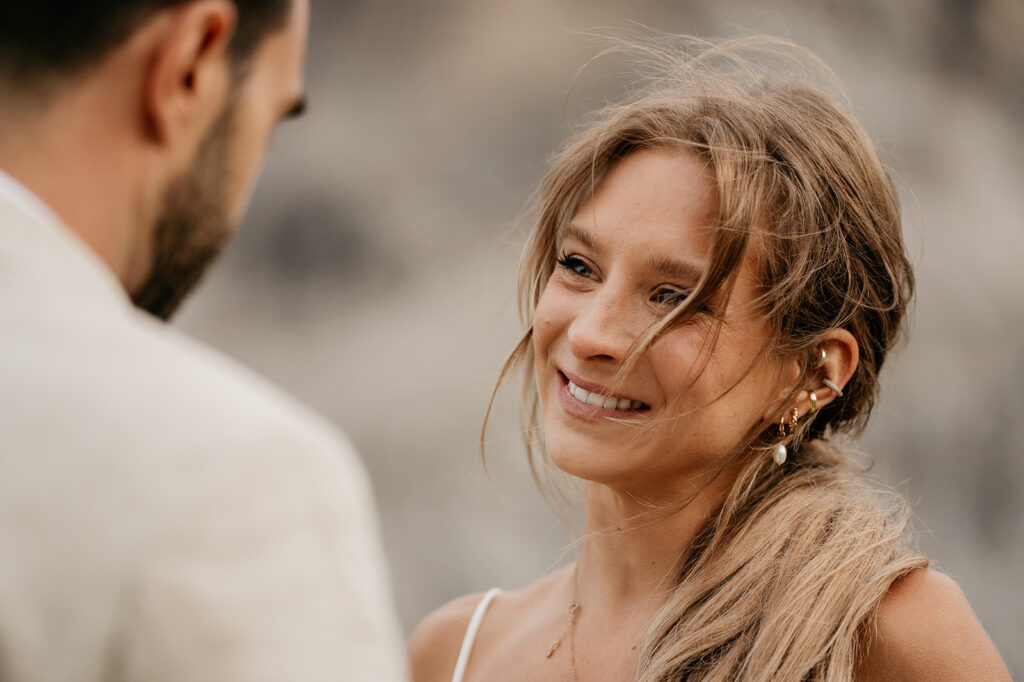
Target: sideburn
column 193, row 226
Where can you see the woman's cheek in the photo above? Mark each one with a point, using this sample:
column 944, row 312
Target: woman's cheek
column 546, row 319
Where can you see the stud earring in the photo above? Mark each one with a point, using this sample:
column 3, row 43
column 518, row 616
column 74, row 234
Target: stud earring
column 814, row 402
column 832, row 387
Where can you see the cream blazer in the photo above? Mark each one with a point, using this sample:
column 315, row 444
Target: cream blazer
column 165, row 514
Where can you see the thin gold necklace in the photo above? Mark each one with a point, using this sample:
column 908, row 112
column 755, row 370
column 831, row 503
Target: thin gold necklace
column 570, row 628
column 572, row 640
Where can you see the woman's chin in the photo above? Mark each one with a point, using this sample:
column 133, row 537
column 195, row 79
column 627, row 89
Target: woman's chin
column 595, row 464
column 627, row 467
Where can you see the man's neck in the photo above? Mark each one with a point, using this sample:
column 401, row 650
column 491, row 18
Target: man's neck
column 65, row 155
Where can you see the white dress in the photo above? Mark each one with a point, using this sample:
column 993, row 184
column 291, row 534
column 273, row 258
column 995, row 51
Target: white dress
column 471, row 631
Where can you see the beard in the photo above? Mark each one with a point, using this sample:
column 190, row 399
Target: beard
column 193, row 225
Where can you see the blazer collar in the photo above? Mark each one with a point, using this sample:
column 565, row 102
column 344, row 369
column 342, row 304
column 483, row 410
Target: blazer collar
column 37, row 247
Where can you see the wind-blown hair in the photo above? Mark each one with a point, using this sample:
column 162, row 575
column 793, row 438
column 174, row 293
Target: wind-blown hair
column 784, row 580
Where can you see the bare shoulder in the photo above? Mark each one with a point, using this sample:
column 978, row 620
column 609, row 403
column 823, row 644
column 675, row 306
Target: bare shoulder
column 926, row 630
column 434, row 644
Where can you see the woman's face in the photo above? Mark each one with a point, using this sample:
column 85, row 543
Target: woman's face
column 630, row 254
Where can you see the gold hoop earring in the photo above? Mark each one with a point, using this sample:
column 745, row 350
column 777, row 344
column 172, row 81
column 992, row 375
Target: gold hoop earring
column 780, row 454
column 820, row 362
column 814, row 402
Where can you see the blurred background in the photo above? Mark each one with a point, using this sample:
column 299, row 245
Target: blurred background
column 374, row 275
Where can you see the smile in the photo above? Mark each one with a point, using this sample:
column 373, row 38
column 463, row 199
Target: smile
column 597, row 400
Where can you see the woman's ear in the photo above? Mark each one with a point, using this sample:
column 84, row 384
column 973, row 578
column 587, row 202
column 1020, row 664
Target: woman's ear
column 834, row 361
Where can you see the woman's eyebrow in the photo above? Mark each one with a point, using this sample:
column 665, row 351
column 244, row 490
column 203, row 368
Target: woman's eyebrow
column 580, row 235
column 673, row 268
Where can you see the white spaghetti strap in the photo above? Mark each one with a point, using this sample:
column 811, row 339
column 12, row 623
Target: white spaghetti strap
column 474, row 627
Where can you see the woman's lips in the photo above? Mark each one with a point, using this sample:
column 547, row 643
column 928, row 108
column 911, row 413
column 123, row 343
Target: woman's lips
column 598, row 400
column 595, row 403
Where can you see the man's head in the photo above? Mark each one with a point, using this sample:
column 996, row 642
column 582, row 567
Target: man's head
column 45, row 41
column 184, row 94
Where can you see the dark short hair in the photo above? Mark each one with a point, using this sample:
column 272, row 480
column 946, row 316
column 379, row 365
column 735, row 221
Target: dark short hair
column 42, row 40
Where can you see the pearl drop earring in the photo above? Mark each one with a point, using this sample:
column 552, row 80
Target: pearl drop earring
column 780, row 450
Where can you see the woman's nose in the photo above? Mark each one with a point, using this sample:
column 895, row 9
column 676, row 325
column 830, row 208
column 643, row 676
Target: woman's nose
column 602, row 327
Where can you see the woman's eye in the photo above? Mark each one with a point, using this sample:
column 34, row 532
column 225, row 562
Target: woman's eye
column 575, row 265
column 669, row 297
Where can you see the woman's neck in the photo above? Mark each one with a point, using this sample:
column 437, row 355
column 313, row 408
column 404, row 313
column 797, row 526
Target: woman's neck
column 632, row 546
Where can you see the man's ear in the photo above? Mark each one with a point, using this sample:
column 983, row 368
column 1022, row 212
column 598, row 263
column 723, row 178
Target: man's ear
column 189, row 72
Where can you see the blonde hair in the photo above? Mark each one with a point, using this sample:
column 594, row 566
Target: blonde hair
column 783, row 580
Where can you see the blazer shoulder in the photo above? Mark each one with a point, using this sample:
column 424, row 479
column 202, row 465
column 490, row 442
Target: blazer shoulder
column 201, row 420
column 925, row 629
column 435, row 643
column 214, row 394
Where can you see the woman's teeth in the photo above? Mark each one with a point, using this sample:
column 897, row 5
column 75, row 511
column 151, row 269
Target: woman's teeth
column 598, row 400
